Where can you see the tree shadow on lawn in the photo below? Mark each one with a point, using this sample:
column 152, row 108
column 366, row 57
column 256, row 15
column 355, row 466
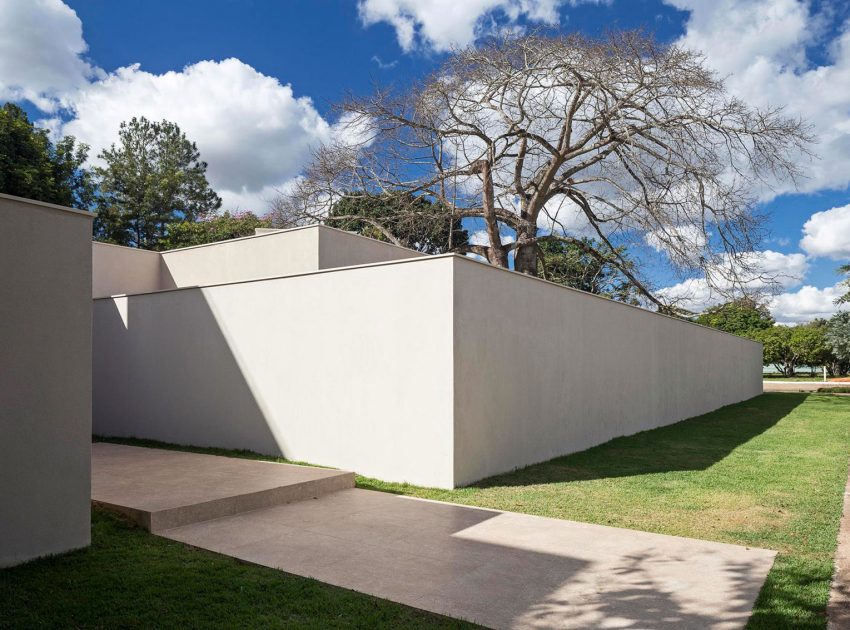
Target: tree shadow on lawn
column 693, row 444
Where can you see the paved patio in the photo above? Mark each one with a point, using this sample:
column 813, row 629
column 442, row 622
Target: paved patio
column 500, row 569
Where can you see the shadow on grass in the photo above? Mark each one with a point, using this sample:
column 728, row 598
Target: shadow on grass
column 693, row 444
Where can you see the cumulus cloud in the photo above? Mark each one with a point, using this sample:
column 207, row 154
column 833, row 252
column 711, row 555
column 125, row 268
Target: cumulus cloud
column 768, row 271
column 41, row 51
column 440, row 24
column 827, row 233
column 805, row 304
column 761, row 47
column 251, row 129
column 254, row 132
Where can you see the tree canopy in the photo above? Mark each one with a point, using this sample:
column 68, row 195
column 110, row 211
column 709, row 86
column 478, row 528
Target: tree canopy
column 428, row 228
column 549, row 138
column 153, row 177
column 211, row 229
column 739, row 317
column 574, row 265
column 32, row 166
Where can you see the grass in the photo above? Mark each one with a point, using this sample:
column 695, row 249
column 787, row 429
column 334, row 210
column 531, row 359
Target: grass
column 129, row 578
column 769, row 472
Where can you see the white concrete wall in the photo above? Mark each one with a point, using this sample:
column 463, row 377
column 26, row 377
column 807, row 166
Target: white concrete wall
column 270, row 253
column 45, row 379
column 349, row 368
column 437, row 370
column 342, row 249
column 542, row 371
column 117, row 270
column 263, row 256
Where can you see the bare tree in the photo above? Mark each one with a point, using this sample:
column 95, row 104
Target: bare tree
column 560, row 138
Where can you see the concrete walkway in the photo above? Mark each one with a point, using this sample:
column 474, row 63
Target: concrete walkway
column 838, row 610
column 800, row 386
column 499, row 569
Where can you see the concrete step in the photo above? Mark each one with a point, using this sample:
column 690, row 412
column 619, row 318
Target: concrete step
column 161, row 489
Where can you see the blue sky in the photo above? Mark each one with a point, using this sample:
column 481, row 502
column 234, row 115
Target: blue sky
column 253, row 83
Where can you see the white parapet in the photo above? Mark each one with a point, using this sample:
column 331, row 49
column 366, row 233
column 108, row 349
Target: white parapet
column 269, row 253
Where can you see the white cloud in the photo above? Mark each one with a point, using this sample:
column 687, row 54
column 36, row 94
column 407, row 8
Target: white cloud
column 805, row 304
column 761, row 46
column 255, row 134
column 252, row 130
column 827, row 233
column 41, row 51
column 441, row 24
column 768, row 270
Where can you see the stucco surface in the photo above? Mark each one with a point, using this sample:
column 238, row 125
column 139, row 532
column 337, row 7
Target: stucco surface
column 117, row 270
column 270, row 253
column 45, row 379
column 543, row 371
column 348, row 368
column 437, row 370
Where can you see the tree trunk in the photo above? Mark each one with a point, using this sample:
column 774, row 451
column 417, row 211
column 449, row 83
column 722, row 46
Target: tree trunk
column 526, row 259
column 525, row 256
column 496, row 254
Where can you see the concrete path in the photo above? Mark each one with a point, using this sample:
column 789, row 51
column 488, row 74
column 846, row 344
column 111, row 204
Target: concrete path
column 800, row 386
column 499, row 569
column 838, row 610
column 160, row 489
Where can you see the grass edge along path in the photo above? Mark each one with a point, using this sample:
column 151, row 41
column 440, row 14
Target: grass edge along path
column 769, row 472
column 130, row 578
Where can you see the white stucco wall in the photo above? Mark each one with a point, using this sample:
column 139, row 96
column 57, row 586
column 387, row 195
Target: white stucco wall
column 262, row 256
column 342, row 249
column 117, row 270
column 438, row 370
column 45, row 379
column 349, row 368
column 541, row 370
column 270, row 253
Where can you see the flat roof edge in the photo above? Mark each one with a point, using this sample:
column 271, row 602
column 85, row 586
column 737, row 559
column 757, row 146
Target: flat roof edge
column 424, row 258
column 47, row 205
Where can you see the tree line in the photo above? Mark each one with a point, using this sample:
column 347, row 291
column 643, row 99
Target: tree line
column 149, row 190
column 816, row 344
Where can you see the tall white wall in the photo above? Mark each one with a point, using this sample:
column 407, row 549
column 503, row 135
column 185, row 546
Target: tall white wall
column 436, row 370
column 349, row 368
column 541, row 370
column 45, row 379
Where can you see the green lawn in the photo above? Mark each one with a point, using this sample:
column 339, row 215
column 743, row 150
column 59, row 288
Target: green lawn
column 129, row 578
column 769, row 472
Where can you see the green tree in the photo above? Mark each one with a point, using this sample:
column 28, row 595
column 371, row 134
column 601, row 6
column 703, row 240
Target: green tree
column 406, row 220
column 152, row 178
column 211, row 229
column 808, row 343
column 34, row 167
column 575, row 265
column 741, row 317
column 838, row 340
column 777, row 348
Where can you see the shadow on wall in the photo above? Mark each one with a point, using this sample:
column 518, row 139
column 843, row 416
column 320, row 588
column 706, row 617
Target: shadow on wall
column 191, row 349
column 693, row 444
